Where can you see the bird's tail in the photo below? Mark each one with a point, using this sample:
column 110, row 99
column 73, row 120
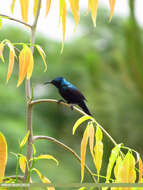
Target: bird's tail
column 84, row 107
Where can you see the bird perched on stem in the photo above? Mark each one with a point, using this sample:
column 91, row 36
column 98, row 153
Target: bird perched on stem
column 70, row 93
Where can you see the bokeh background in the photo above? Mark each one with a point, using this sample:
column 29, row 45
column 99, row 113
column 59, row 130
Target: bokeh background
column 106, row 64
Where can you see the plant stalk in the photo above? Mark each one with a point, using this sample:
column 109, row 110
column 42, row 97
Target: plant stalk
column 29, row 97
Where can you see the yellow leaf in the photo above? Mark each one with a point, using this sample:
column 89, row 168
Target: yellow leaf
column 35, row 7
column 98, row 134
column 140, row 170
column 74, row 5
column 0, row 23
column 48, row 4
column 30, row 64
column 43, row 178
column 22, row 163
column 79, row 122
column 42, row 53
column 47, row 157
column 12, row 6
column 83, row 151
column 24, row 9
column 23, row 142
column 117, row 168
column 113, row 157
column 93, row 6
column 112, row 6
column 63, row 12
column 11, row 60
column 3, row 156
column 91, row 138
column 1, row 49
column 98, row 150
column 25, row 64
column 127, row 173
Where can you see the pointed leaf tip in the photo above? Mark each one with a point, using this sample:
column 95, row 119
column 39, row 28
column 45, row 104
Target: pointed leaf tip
column 93, row 6
column 112, row 6
column 23, row 142
column 48, row 4
column 79, row 122
column 43, row 55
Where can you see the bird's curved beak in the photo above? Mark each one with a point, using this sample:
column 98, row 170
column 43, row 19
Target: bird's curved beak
column 49, row 82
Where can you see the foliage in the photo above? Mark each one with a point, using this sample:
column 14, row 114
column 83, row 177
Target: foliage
column 122, row 165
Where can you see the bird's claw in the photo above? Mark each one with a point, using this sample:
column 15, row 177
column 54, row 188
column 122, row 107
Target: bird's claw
column 59, row 101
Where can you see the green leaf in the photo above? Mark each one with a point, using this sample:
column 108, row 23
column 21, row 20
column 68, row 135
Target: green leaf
column 23, row 142
column 47, row 157
column 80, row 121
column 113, row 157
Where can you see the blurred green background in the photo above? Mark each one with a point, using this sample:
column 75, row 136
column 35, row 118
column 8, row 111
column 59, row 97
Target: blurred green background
column 106, row 64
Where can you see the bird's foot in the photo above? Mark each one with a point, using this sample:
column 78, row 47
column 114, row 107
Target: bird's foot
column 59, row 101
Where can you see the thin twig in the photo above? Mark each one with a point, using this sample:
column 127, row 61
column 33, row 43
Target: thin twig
column 13, row 177
column 16, row 20
column 34, row 102
column 68, row 149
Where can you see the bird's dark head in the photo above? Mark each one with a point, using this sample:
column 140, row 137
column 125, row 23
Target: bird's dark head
column 56, row 82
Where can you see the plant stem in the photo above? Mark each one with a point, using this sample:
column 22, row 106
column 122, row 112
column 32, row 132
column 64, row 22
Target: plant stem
column 74, row 108
column 16, row 20
column 28, row 98
column 68, row 149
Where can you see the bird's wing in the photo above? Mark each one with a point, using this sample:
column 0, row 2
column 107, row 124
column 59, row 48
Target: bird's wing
column 75, row 93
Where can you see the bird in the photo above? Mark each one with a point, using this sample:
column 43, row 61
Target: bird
column 70, row 93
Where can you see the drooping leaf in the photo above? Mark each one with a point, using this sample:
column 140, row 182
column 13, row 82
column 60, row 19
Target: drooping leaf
column 79, row 122
column 47, row 157
column 25, row 64
column 48, row 4
column 91, row 138
column 11, row 60
column 23, row 142
column 140, row 170
column 93, row 5
column 113, row 157
column 43, row 178
column 43, row 55
column 12, row 6
column 24, row 4
column 0, row 23
column 112, row 6
column 74, row 5
column 1, row 51
column 22, row 163
column 11, row 64
column 63, row 12
column 117, row 168
column 98, row 150
column 3, row 156
column 127, row 173
column 35, row 7
column 30, row 64
column 83, row 151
